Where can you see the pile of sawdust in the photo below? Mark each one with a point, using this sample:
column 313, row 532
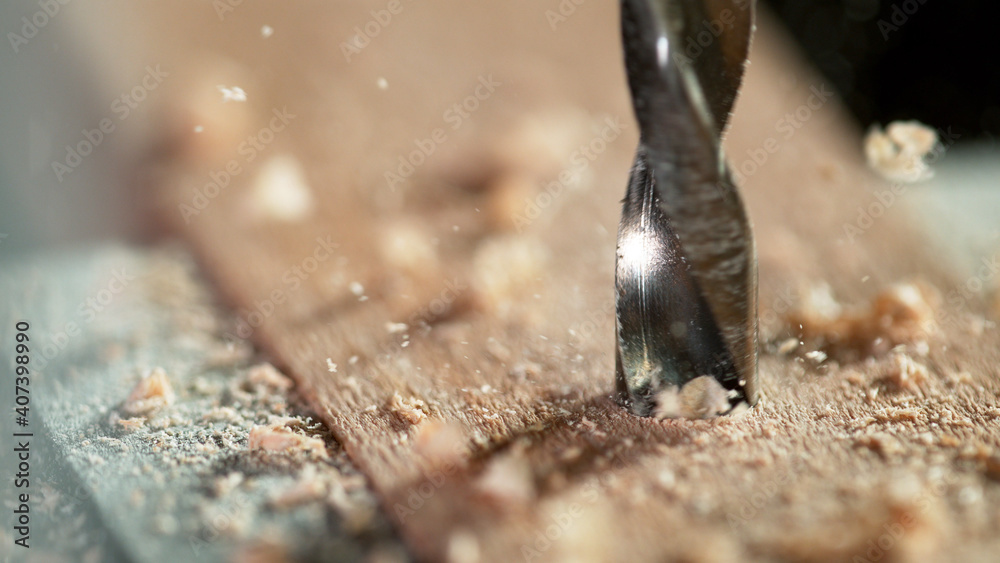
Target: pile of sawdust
column 702, row 397
column 900, row 152
column 278, row 438
column 903, row 314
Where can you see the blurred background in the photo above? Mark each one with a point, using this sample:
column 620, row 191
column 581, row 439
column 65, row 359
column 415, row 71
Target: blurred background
column 922, row 60
column 888, row 60
column 912, row 59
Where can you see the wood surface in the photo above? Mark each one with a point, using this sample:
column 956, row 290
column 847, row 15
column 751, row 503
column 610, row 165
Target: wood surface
column 503, row 443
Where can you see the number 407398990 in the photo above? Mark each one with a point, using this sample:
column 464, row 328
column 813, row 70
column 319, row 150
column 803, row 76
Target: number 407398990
column 22, row 375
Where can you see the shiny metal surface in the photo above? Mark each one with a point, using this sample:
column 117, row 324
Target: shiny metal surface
column 686, row 279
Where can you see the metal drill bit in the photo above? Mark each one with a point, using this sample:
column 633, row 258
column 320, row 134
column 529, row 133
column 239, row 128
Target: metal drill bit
column 686, row 268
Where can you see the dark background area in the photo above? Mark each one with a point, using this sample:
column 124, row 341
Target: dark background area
column 937, row 61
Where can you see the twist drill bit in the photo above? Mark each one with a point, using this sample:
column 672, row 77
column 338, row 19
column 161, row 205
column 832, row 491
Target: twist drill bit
column 686, row 273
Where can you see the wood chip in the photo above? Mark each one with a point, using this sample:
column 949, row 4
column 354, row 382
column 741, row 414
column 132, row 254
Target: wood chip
column 152, row 393
column 277, row 438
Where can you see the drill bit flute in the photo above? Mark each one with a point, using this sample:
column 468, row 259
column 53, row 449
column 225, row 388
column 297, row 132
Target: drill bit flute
column 686, row 273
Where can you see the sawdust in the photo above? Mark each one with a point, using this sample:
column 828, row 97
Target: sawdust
column 788, row 346
column 506, row 195
column 902, row 314
column 440, row 443
column 526, row 167
column 395, row 328
column 899, row 153
column 277, row 438
column 267, row 376
column 958, row 379
column 232, row 93
column 881, row 443
column 463, row 547
column 221, row 454
column 702, row 397
column 505, row 268
column 222, row 486
column 507, row 480
column 280, row 192
column 152, row 393
column 128, row 424
column 262, row 552
column 905, row 374
column 407, row 246
column 309, row 487
column 410, row 410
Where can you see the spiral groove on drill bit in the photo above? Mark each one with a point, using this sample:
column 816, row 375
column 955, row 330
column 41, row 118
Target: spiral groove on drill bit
column 686, row 278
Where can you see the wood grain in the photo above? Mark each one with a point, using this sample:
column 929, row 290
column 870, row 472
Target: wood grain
column 517, row 450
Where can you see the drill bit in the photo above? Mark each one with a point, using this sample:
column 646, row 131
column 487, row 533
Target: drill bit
column 686, row 266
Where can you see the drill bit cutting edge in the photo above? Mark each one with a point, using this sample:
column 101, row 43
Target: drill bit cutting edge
column 686, row 266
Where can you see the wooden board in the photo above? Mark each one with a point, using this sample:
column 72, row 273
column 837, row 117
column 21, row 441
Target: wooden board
column 517, row 450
